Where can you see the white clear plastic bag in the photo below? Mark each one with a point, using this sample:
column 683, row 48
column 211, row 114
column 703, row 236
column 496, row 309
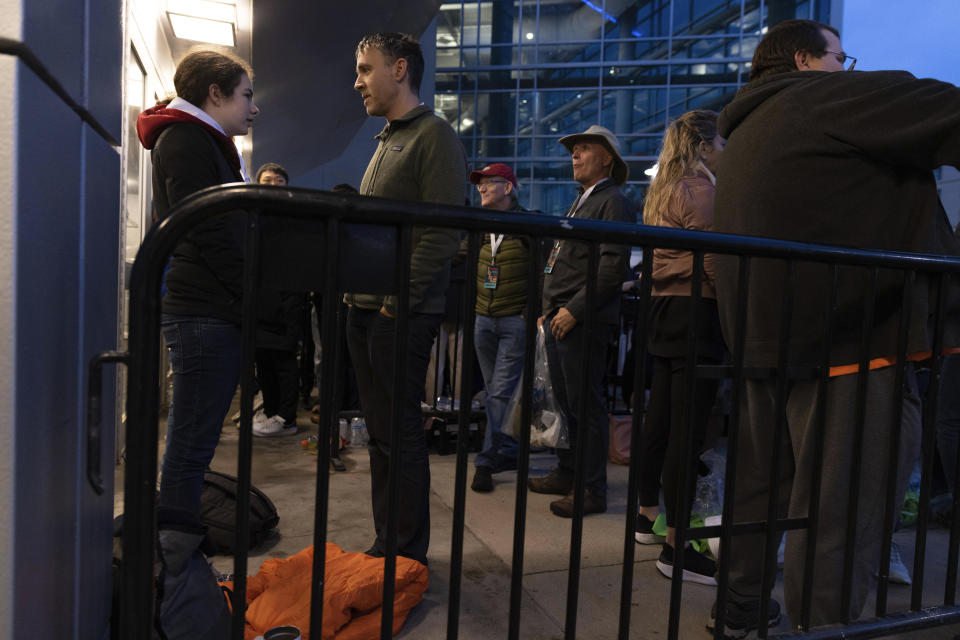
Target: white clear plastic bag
column 548, row 423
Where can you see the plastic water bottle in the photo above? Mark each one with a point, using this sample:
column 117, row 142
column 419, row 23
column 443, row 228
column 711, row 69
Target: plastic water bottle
column 344, row 430
column 358, row 433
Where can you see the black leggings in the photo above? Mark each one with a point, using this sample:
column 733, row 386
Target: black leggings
column 660, row 442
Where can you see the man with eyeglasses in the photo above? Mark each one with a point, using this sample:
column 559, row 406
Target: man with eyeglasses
column 500, row 330
column 831, row 158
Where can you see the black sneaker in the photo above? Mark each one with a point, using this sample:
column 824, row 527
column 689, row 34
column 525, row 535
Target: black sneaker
column 744, row 617
column 644, row 533
column 696, row 566
column 482, row 480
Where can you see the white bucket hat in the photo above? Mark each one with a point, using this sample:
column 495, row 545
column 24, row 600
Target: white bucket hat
column 604, row 136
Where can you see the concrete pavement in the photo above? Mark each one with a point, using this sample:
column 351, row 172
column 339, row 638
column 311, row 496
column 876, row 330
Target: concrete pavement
column 287, row 474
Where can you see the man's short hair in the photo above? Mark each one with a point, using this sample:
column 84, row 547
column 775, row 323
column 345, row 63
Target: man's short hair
column 275, row 168
column 775, row 53
column 394, row 46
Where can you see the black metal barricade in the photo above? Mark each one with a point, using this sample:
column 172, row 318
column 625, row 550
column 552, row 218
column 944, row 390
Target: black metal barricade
column 340, row 240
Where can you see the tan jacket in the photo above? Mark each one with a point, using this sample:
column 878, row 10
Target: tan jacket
column 690, row 207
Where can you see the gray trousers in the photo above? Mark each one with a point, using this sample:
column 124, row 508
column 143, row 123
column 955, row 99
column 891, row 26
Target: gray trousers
column 798, row 457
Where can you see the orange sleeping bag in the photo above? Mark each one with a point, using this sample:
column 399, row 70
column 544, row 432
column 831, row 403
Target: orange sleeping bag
column 280, row 594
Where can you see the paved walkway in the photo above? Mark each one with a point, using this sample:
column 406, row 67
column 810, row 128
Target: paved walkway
column 287, row 474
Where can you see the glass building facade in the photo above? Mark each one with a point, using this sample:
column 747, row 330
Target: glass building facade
column 513, row 76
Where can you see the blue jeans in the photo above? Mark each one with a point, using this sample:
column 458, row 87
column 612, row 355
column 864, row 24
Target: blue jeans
column 499, row 343
column 205, row 356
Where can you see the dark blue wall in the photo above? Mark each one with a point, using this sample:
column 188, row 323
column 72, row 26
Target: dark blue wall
column 67, row 213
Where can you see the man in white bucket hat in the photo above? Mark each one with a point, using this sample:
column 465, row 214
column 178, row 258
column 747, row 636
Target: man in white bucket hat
column 598, row 167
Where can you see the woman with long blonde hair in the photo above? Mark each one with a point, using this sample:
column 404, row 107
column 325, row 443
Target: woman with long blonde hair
column 680, row 196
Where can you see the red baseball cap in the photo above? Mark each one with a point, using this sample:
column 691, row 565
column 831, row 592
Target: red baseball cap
column 496, row 169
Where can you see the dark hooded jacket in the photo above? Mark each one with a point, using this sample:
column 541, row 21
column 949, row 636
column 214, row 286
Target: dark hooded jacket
column 834, row 158
column 206, row 270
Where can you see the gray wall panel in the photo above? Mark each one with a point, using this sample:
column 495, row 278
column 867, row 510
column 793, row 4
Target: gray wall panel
column 104, row 70
column 53, row 29
column 47, row 461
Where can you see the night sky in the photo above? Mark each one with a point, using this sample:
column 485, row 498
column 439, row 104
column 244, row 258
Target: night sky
column 920, row 36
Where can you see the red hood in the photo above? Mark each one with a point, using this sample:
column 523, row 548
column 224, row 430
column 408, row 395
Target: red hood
column 152, row 122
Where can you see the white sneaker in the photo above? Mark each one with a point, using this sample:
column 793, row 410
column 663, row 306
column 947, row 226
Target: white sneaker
column 898, row 571
column 259, row 418
column 274, row 426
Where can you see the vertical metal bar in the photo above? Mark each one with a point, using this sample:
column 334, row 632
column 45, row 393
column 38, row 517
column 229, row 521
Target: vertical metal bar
column 405, row 249
column 950, row 593
column 733, row 448
column 953, row 548
column 532, row 312
column 337, row 382
column 454, row 365
column 891, row 508
column 331, row 313
column 633, row 482
column 583, row 418
column 681, row 507
column 251, row 277
column 928, row 441
column 140, row 474
column 817, row 439
column 438, row 353
column 773, row 531
column 468, row 313
column 863, row 377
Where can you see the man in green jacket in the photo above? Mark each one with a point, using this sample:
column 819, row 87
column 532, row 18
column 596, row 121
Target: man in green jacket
column 500, row 330
column 418, row 158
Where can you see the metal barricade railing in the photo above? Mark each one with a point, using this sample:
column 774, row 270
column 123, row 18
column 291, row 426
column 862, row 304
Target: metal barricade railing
column 325, row 225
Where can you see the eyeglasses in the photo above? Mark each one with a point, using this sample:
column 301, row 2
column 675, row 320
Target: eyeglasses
column 842, row 59
column 484, row 185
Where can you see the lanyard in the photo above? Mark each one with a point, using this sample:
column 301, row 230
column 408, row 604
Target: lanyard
column 495, row 241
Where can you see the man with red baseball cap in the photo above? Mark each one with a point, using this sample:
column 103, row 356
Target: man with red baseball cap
column 499, row 333
column 497, row 186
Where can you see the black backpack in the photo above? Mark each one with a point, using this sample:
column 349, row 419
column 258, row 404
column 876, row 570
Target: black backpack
column 218, row 512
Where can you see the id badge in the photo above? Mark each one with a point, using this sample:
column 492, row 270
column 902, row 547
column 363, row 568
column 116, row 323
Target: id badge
column 553, row 258
column 493, row 274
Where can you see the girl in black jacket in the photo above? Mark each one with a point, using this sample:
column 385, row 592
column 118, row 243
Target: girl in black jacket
column 192, row 148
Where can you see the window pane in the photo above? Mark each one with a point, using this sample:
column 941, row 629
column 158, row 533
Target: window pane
column 515, row 76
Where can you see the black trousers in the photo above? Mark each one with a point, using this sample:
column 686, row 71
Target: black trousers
column 567, row 372
column 370, row 338
column 660, row 442
column 278, row 377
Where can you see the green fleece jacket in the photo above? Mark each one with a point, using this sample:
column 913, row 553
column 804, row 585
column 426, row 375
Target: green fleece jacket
column 419, row 158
